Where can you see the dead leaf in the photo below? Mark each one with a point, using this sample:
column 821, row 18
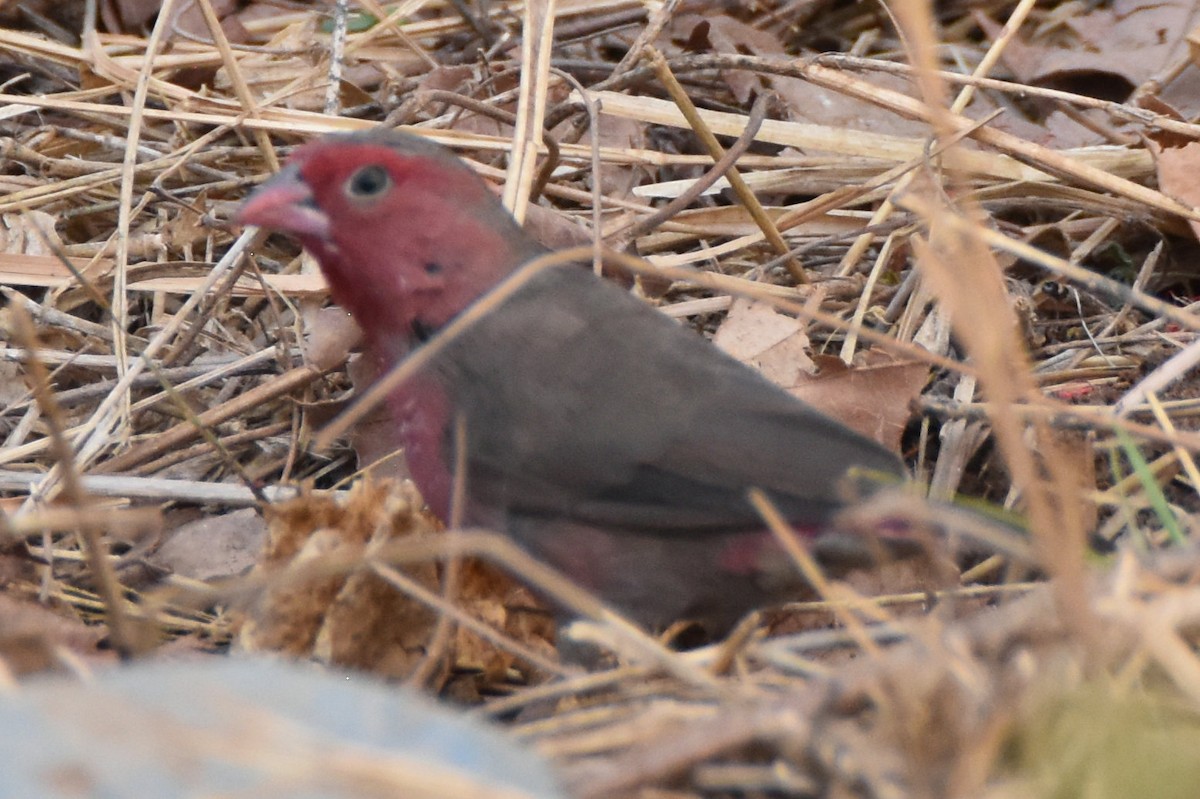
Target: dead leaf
column 29, row 233
column 805, row 101
column 33, row 637
column 774, row 343
column 872, row 398
column 12, row 379
column 554, row 229
column 1177, row 169
column 190, row 19
column 213, row 546
column 1103, row 50
column 330, row 335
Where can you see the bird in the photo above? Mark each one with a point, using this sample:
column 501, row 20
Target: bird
column 606, row 439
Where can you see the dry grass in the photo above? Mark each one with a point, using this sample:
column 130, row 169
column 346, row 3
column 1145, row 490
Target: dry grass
column 154, row 356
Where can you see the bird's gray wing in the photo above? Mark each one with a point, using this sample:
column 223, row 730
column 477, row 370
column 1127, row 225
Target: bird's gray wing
column 583, row 402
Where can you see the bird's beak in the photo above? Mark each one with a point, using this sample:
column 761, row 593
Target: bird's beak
column 285, row 204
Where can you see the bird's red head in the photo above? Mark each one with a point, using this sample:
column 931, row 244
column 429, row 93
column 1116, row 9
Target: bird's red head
column 406, row 234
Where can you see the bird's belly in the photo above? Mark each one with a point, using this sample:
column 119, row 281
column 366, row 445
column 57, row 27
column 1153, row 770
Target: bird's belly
column 657, row 579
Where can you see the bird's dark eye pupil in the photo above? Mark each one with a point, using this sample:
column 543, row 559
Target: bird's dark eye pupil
column 370, row 181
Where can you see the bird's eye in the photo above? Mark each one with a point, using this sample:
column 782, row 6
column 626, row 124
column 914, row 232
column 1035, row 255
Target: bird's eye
column 368, row 182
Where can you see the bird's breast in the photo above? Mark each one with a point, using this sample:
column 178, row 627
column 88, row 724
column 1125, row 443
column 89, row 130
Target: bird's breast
column 422, row 410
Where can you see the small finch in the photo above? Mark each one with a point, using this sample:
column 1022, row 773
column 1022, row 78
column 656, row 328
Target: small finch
column 603, row 437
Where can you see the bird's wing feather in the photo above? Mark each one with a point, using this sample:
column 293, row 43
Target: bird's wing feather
column 630, row 420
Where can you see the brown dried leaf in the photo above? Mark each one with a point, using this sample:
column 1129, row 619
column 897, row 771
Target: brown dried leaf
column 32, row 636
column 774, row 343
column 213, row 546
column 554, row 229
column 805, row 101
column 12, row 378
column 1131, row 39
column 190, row 19
column 1177, row 169
column 127, row 16
column 29, row 233
column 1104, row 51
column 872, row 398
column 330, row 335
